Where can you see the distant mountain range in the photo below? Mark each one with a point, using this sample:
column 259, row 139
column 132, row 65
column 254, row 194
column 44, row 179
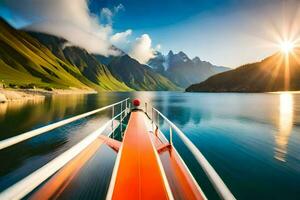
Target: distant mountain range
column 138, row 76
column 31, row 59
column 279, row 72
column 182, row 70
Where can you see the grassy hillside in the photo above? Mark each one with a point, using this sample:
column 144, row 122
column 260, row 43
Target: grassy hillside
column 279, row 72
column 117, row 73
column 138, row 76
column 95, row 74
column 93, row 69
column 29, row 59
column 24, row 61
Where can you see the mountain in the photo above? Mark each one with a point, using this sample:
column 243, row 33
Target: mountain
column 158, row 63
column 138, row 76
column 278, row 72
column 31, row 59
column 95, row 74
column 110, row 73
column 25, row 62
column 182, row 70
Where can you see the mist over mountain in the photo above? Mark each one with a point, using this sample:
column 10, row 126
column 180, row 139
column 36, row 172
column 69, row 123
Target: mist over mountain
column 32, row 59
column 25, row 62
column 113, row 72
column 87, row 64
column 120, row 69
column 182, row 70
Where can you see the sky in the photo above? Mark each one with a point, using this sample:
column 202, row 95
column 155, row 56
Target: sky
column 224, row 32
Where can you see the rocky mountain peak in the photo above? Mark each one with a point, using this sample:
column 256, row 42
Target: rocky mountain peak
column 196, row 60
column 170, row 53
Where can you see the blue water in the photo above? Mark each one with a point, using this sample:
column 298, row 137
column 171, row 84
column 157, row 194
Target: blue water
column 252, row 140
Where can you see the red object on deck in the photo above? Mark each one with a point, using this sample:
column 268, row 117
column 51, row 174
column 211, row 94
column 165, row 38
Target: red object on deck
column 138, row 174
column 136, row 102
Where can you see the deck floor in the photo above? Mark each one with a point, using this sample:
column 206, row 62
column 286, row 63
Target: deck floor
column 139, row 175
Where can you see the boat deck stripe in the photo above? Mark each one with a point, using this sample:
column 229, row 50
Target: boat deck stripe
column 54, row 187
column 181, row 181
column 138, row 175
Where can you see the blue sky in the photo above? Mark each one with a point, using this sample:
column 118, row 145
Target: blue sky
column 224, row 32
column 157, row 13
column 147, row 14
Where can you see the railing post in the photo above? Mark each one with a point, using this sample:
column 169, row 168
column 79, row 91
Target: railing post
column 126, row 104
column 121, row 117
column 171, row 136
column 112, row 122
column 157, row 114
column 121, row 107
column 157, row 124
column 152, row 122
column 152, row 115
column 129, row 106
column 146, row 107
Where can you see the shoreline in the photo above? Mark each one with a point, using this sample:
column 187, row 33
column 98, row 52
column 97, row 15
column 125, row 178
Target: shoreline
column 9, row 95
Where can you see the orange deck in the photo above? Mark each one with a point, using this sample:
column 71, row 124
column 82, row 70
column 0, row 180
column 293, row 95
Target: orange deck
column 146, row 168
column 181, row 182
column 138, row 174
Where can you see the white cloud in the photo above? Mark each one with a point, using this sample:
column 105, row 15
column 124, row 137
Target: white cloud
column 119, row 7
column 121, row 39
column 158, row 47
column 106, row 15
column 141, row 49
column 74, row 22
column 70, row 20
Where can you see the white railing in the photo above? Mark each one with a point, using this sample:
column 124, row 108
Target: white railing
column 27, row 135
column 212, row 175
column 22, row 188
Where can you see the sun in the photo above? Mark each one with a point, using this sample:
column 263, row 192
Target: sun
column 287, row 46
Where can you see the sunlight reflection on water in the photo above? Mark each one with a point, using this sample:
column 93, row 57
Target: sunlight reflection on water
column 285, row 125
column 251, row 140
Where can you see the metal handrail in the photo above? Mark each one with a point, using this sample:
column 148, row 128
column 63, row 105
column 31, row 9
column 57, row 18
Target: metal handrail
column 27, row 135
column 212, row 175
column 20, row 189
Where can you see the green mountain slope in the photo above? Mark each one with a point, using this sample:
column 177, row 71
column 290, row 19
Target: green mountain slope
column 138, row 76
column 96, row 72
column 23, row 61
column 114, row 74
column 276, row 73
column 96, row 75
column 30, row 59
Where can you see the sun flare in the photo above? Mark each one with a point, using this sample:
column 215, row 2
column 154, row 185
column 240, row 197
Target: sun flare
column 287, row 46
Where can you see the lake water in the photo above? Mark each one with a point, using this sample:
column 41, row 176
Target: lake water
column 252, row 140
